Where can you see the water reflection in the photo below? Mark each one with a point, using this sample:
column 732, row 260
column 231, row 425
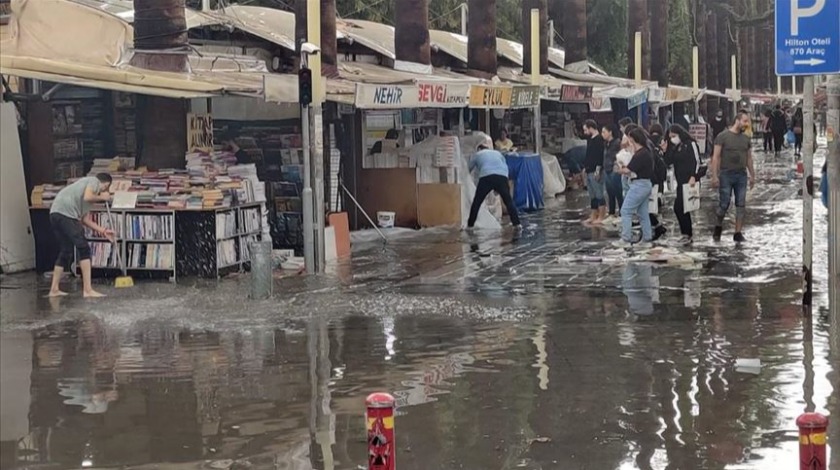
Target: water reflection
column 577, row 385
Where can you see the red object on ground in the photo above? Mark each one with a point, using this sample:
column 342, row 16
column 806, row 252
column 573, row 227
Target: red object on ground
column 812, row 438
column 800, row 167
column 382, row 451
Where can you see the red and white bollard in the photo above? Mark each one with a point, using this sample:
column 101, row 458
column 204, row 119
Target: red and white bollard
column 812, row 432
column 382, row 451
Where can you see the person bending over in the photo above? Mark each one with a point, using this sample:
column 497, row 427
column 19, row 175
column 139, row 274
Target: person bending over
column 69, row 215
column 492, row 176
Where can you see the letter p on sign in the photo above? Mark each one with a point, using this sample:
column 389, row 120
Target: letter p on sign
column 797, row 12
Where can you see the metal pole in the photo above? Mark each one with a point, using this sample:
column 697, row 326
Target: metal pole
column 308, row 229
column 808, row 194
column 319, row 215
column 793, row 85
column 536, row 78
column 833, row 119
column 637, row 69
column 464, row 13
column 779, row 85
column 551, row 33
column 734, row 67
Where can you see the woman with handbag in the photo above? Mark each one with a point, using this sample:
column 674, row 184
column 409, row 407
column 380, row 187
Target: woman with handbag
column 683, row 153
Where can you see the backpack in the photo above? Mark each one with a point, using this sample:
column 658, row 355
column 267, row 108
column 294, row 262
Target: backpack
column 660, row 168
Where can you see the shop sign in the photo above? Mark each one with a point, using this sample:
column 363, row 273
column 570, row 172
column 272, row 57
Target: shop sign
column 442, row 95
column 698, row 133
column 637, row 99
column 732, row 94
column 554, row 93
column 600, row 105
column 199, row 132
column 678, row 95
column 525, row 97
column 576, row 93
column 426, row 94
column 484, row 96
column 656, row 95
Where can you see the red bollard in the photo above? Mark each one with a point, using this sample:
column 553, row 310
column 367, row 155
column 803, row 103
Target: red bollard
column 812, row 432
column 382, row 451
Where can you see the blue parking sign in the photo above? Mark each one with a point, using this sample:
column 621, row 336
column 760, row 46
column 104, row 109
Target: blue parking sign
column 807, row 37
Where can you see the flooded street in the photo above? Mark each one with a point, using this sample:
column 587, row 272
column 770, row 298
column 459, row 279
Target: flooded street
column 501, row 352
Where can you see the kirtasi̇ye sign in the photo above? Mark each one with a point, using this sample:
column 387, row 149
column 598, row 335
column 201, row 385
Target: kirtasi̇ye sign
column 419, row 95
column 525, row 96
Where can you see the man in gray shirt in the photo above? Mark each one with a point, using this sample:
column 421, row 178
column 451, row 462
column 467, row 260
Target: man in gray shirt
column 732, row 170
column 69, row 215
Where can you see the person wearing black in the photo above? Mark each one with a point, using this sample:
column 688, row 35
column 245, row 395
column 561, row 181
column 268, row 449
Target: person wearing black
column 392, row 135
column 797, row 126
column 640, row 171
column 778, row 126
column 659, row 177
column 684, row 154
column 718, row 124
column 242, row 157
column 595, row 173
column 615, row 197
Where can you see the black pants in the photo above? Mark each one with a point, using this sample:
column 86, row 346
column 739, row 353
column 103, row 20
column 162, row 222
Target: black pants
column 70, row 235
column 499, row 184
column 778, row 141
column 799, row 138
column 684, row 218
column 768, row 141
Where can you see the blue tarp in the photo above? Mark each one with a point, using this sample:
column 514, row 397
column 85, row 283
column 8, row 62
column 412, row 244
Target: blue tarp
column 526, row 171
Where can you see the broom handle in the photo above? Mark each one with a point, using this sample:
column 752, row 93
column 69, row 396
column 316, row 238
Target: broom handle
column 116, row 245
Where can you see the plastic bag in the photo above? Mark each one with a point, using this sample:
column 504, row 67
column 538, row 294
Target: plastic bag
column 554, row 181
column 790, row 138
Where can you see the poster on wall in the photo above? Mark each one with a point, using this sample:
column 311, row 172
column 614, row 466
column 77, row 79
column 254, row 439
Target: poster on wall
column 199, row 132
column 698, row 133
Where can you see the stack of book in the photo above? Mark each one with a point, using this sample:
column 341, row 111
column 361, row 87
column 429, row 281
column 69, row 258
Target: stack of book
column 149, row 227
column 225, row 224
column 149, row 256
column 111, row 165
column 44, row 194
column 103, row 255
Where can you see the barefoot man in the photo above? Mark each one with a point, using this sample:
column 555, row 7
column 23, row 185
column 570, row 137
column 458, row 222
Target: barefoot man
column 69, row 215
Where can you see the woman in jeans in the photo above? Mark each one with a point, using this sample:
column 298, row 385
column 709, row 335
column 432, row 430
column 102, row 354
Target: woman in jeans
column 615, row 195
column 640, row 172
column 684, row 154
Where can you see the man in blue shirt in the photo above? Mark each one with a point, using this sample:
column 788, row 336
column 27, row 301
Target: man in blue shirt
column 492, row 176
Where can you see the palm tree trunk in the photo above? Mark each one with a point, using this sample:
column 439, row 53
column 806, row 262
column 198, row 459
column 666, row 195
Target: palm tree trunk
column 638, row 21
column 160, row 25
column 481, row 29
column 702, row 45
column 659, row 41
column 574, row 30
column 711, row 55
column 527, row 6
column 329, row 45
column 411, row 35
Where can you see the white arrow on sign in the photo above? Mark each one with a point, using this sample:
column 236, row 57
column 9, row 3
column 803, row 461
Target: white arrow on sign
column 812, row 62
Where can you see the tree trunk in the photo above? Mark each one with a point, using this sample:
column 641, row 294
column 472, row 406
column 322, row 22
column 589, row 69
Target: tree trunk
column 527, row 6
column 724, row 52
column 481, row 29
column 659, row 41
column 574, row 30
column 638, row 21
column 700, row 17
column 711, row 55
column 411, row 35
column 329, row 45
column 160, row 25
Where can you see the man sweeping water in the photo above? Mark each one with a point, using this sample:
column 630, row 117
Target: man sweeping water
column 69, row 215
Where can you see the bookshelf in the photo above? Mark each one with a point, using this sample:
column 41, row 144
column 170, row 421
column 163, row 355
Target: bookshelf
column 234, row 229
column 145, row 241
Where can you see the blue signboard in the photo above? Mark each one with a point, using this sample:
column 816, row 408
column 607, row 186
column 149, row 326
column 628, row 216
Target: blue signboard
column 807, row 37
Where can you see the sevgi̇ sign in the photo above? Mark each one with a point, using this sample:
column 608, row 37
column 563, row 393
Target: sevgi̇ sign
column 807, row 37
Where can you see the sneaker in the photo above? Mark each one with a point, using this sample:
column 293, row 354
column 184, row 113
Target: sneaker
column 686, row 241
column 718, row 233
column 625, row 245
column 659, row 232
column 739, row 238
column 643, row 245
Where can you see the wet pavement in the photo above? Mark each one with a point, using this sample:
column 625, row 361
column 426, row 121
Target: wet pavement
column 502, row 355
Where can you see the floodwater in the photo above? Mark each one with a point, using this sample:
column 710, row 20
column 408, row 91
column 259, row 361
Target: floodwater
column 500, row 356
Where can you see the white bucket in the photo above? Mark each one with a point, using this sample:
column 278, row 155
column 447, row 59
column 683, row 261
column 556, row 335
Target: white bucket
column 386, row 219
